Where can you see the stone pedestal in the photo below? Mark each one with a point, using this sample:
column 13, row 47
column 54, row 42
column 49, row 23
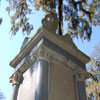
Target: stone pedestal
column 51, row 66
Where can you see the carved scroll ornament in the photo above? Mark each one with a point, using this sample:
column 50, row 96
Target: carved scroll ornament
column 15, row 79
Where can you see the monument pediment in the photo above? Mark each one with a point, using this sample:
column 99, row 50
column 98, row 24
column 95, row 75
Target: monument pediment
column 64, row 42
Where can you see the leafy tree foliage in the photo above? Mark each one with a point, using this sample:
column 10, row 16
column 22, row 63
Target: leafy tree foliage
column 93, row 87
column 93, row 90
column 94, row 66
column 1, row 96
column 79, row 15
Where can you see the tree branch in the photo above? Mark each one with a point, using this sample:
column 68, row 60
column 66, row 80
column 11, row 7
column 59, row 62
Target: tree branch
column 94, row 78
column 88, row 13
column 60, row 6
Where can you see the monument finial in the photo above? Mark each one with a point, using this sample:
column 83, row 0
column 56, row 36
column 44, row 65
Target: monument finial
column 50, row 21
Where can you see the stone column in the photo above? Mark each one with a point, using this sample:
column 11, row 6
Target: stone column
column 15, row 80
column 80, row 76
column 43, row 75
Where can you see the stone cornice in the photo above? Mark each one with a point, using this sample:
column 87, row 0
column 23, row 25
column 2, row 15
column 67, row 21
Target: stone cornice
column 31, row 43
column 43, row 52
column 61, row 41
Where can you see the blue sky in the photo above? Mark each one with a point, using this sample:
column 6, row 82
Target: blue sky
column 9, row 47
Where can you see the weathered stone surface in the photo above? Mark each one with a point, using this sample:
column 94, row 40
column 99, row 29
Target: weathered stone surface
column 50, row 21
column 62, row 42
column 62, row 85
column 27, row 88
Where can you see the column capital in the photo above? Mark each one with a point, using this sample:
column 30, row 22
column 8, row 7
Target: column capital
column 81, row 74
column 43, row 53
column 15, row 78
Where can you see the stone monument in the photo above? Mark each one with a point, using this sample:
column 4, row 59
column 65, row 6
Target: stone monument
column 49, row 66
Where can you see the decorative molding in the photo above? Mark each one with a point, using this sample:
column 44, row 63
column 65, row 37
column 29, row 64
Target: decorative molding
column 80, row 74
column 55, row 39
column 43, row 53
column 53, row 57
column 15, row 79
